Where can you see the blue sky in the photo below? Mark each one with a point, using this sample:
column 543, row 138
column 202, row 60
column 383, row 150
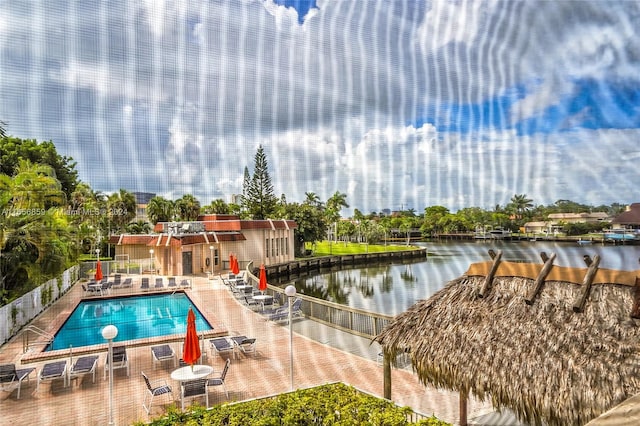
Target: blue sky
column 397, row 104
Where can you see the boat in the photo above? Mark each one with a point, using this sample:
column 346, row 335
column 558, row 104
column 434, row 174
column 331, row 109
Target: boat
column 584, row 242
column 620, row 235
column 500, row 234
column 486, row 233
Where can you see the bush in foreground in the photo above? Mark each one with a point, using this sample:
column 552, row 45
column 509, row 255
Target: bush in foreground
column 332, row 404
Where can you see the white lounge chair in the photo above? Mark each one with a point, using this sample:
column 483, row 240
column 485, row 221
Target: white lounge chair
column 162, row 353
column 53, row 371
column 246, row 345
column 120, row 360
column 83, row 366
column 222, row 346
column 11, row 378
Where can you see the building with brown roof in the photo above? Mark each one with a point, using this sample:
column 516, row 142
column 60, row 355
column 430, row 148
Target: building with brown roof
column 186, row 248
column 629, row 219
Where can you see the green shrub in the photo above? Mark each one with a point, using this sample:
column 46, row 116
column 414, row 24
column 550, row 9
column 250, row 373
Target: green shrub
column 332, row 404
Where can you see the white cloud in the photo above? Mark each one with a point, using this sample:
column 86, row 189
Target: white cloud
column 451, row 22
column 185, row 91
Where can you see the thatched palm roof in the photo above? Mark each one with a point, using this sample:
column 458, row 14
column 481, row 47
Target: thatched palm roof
column 544, row 361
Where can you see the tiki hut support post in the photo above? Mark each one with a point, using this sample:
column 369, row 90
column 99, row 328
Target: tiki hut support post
column 635, row 310
column 464, row 396
column 386, row 374
column 578, row 305
column 489, row 279
column 537, row 286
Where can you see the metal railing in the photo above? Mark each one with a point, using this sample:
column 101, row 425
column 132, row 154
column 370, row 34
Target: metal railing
column 40, row 333
column 356, row 321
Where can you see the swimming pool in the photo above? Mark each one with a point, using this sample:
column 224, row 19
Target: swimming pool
column 136, row 317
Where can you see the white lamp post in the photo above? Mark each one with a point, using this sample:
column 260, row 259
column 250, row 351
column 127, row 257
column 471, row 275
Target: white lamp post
column 109, row 333
column 211, row 260
column 290, row 291
column 151, row 267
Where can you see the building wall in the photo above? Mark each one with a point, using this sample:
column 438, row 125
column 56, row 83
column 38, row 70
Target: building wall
column 267, row 242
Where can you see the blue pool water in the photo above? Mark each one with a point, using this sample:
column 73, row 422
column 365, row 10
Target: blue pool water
column 135, row 317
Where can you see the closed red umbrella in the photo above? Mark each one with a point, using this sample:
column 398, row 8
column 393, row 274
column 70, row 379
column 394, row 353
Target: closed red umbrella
column 231, row 257
column 191, row 350
column 262, row 284
column 235, row 268
column 98, row 271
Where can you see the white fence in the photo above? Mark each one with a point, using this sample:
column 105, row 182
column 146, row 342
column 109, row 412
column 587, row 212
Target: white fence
column 21, row 311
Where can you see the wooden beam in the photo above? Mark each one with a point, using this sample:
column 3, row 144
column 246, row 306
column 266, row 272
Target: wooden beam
column 464, row 395
column 386, row 374
column 543, row 256
column 489, row 278
column 578, row 305
column 537, row 286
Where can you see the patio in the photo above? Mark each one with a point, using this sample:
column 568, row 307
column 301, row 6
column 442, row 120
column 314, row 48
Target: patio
column 262, row 374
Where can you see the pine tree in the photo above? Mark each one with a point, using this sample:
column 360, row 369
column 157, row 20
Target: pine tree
column 260, row 198
column 246, row 184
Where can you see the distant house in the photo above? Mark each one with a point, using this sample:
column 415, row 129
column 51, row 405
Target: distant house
column 557, row 220
column 185, row 248
column 629, row 219
column 539, row 227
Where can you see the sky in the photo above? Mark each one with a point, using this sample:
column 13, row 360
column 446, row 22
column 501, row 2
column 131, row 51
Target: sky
column 397, row 104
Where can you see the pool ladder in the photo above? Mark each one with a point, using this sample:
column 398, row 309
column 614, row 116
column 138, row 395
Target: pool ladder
column 32, row 329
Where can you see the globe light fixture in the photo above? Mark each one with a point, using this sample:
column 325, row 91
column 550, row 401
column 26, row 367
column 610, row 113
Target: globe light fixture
column 109, row 333
column 290, row 291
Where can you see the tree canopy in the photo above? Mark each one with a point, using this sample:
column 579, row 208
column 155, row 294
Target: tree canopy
column 12, row 150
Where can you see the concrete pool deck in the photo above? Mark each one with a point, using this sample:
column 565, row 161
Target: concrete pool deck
column 266, row 373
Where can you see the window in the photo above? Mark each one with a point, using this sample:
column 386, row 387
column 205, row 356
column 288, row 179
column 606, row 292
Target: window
column 266, row 247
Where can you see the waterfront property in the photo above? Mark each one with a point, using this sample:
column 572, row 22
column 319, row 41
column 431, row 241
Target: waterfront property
column 250, row 376
column 203, row 246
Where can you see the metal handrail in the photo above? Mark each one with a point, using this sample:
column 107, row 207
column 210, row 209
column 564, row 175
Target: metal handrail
column 39, row 332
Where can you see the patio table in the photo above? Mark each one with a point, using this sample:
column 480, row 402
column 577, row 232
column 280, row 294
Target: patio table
column 184, row 374
column 262, row 298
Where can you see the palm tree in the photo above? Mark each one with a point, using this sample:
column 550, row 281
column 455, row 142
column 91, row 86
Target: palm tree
column 34, row 186
column 33, row 238
column 520, row 204
column 139, row 227
column 160, row 209
column 312, row 199
column 188, row 207
column 334, row 204
column 121, row 209
column 217, row 206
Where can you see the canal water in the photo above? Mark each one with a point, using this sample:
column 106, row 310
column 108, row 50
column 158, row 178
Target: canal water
column 391, row 289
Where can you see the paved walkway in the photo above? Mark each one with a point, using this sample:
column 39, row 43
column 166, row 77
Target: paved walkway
column 331, row 357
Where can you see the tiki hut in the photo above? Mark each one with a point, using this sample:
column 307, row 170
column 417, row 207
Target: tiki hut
column 556, row 345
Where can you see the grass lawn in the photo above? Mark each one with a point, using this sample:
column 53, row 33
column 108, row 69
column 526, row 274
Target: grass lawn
column 326, row 248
